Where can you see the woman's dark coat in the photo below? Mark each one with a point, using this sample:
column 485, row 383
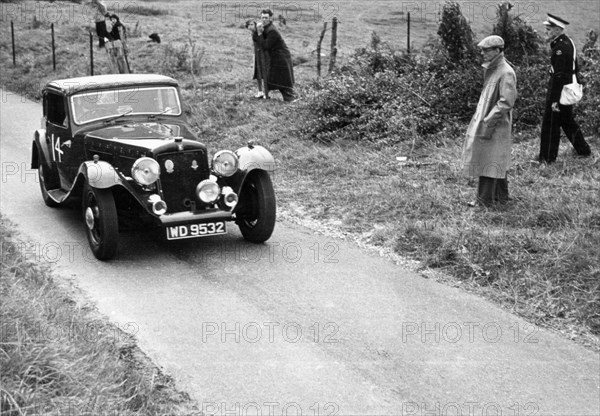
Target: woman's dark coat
column 259, row 60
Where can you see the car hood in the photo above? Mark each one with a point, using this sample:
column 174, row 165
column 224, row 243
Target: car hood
column 149, row 134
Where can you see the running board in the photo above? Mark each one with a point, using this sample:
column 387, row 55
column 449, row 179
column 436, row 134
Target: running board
column 58, row 195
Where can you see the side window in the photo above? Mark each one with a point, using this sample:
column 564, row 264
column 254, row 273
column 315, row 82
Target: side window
column 55, row 110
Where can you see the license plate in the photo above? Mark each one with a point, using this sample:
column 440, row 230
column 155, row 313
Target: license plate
column 178, row 232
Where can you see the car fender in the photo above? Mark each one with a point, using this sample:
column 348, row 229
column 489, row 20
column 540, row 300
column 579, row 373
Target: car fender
column 39, row 152
column 100, row 174
column 255, row 157
column 251, row 158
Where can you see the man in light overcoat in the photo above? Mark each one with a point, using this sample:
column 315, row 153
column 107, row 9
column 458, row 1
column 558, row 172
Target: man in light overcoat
column 486, row 151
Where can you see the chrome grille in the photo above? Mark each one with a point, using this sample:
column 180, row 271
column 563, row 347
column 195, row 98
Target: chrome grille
column 178, row 178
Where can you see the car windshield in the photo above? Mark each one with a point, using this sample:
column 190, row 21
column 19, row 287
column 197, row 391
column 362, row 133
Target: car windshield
column 90, row 106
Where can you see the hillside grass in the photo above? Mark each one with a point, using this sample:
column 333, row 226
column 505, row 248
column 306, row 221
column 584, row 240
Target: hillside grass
column 537, row 257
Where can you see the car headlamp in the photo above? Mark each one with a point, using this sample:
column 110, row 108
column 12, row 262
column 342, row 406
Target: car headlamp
column 230, row 198
column 145, row 171
column 225, row 163
column 208, row 191
column 159, row 207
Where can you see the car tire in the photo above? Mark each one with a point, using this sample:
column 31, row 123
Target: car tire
column 256, row 217
column 45, row 196
column 101, row 221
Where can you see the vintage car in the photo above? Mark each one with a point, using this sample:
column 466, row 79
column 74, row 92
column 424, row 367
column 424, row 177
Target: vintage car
column 121, row 145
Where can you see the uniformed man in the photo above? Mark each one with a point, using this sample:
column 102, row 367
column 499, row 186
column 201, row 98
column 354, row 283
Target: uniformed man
column 556, row 116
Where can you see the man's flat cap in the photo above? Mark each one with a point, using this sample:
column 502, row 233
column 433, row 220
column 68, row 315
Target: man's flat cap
column 553, row 20
column 493, row 41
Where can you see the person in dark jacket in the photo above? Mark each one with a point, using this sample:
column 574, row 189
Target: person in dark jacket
column 118, row 30
column 100, row 13
column 556, row 116
column 278, row 59
column 117, row 46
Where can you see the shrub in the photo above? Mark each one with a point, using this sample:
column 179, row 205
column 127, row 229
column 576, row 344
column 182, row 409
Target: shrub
column 589, row 107
column 520, row 39
column 455, row 33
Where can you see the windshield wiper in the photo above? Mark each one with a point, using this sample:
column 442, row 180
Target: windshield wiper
column 166, row 110
column 153, row 116
column 113, row 118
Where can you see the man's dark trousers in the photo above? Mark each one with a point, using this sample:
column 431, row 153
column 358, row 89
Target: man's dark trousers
column 550, row 138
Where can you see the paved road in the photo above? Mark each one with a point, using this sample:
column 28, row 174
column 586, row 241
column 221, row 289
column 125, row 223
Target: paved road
column 304, row 323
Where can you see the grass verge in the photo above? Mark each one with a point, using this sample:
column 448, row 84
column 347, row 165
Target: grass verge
column 58, row 356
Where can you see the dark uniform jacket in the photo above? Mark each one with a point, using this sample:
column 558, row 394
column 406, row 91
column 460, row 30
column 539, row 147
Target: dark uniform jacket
column 278, row 59
column 561, row 72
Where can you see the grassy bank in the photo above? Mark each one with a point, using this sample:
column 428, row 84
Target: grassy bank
column 537, row 257
column 59, row 357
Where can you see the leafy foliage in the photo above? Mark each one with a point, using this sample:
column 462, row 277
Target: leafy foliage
column 589, row 107
column 382, row 96
column 520, row 40
column 455, row 33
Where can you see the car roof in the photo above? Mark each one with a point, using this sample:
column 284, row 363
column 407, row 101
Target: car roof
column 71, row 86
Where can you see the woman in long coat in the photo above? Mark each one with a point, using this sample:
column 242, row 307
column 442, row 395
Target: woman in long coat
column 486, row 151
column 259, row 64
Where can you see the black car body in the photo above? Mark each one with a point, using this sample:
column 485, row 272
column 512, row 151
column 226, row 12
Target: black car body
column 121, row 145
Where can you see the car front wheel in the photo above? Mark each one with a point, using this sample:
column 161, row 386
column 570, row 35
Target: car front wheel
column 102, row 226
column 256, row 215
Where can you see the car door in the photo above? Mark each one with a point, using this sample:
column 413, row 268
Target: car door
column 58, row 137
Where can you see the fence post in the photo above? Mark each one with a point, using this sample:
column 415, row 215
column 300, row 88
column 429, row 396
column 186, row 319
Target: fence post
column 408, row 32
column 53, row 48
column 12, row 34
column 333, row 52
column 91, row 54
column 319, row 49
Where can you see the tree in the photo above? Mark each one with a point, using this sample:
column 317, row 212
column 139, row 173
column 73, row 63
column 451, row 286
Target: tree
column 455, row 32
column 520, row 40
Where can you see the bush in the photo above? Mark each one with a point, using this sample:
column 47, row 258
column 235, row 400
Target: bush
column 520, row 39
column 455, row 33
column 383, row 95
column 589, row 107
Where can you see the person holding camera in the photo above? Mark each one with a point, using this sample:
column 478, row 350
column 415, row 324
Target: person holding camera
column 278, row 59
